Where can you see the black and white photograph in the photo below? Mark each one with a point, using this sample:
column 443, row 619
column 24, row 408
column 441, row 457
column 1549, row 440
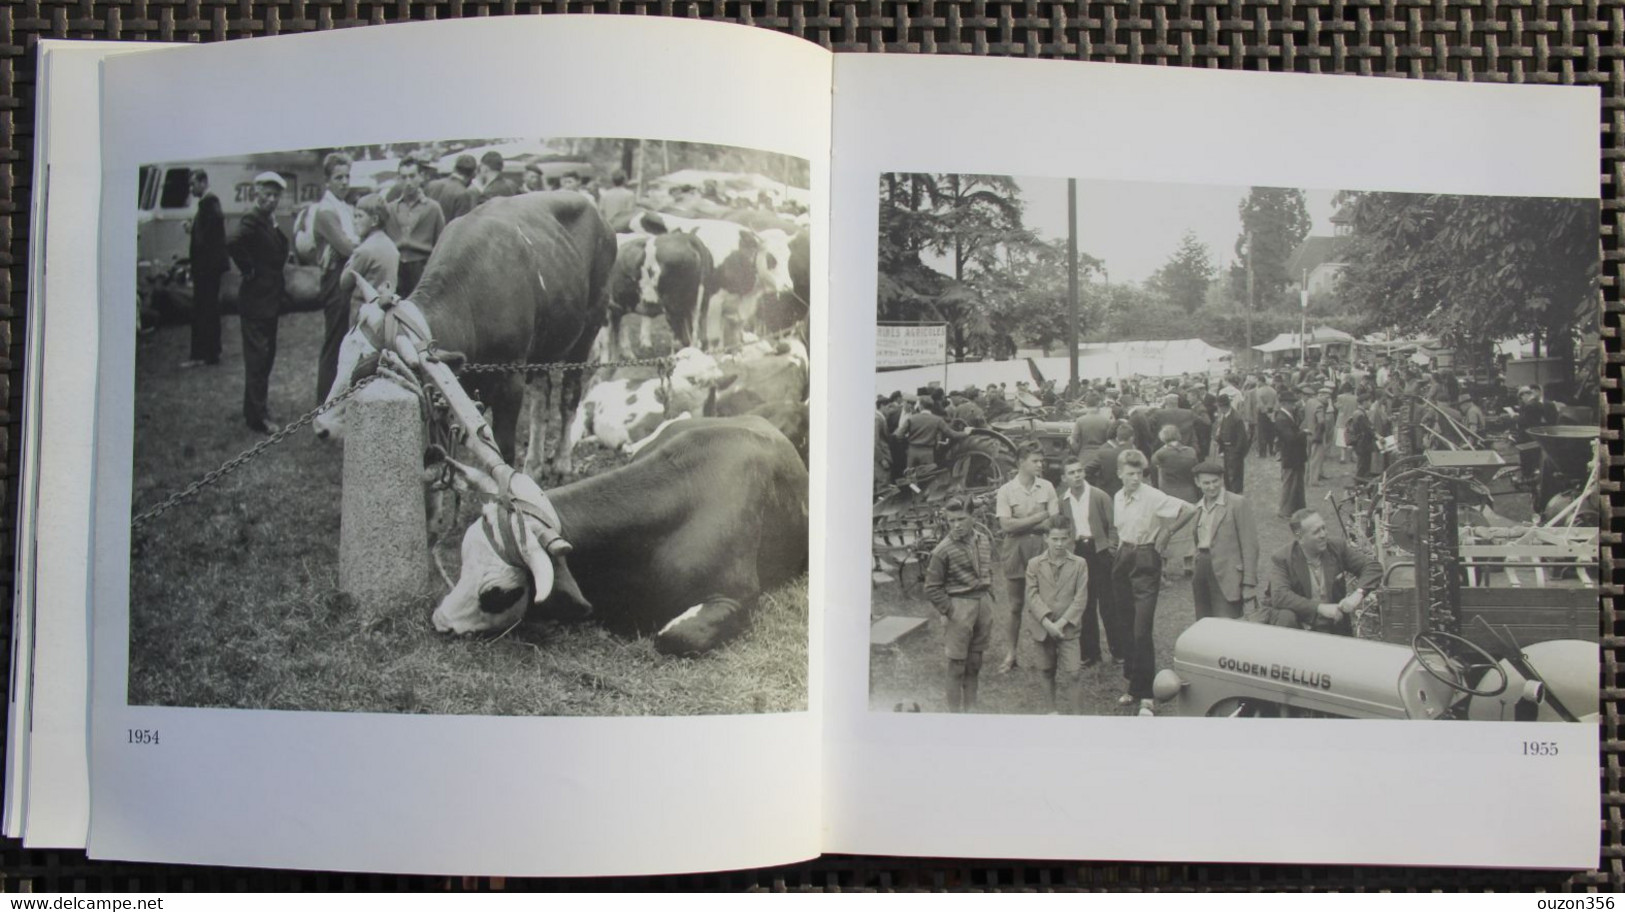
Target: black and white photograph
column 1179, row 450
column 490, row 426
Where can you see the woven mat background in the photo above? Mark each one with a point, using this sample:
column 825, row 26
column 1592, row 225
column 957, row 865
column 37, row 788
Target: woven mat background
column 1562, row 42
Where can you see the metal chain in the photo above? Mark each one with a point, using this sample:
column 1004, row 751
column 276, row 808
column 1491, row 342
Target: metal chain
column 192, row 490
column 560, row 367
column 245, row 457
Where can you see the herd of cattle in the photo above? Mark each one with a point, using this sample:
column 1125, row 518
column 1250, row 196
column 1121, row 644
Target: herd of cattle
column 711, row 510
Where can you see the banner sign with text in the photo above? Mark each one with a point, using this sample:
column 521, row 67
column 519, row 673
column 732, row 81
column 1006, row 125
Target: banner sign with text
column 911, row 346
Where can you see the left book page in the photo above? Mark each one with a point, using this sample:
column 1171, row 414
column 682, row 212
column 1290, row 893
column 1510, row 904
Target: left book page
column 47, row 781
column 283, row 674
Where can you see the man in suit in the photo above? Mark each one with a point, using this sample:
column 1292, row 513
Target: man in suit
column 1226, row 575
column 1293, row 445
column 1093, row 429
column 260, row 250
column 1308, row 585
column 491, row 182
column 1095, row 540
column 1103, row 468
column 208, row 263
column 1230, row 439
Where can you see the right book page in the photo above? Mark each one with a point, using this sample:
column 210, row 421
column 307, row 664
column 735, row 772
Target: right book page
column 1233, row 482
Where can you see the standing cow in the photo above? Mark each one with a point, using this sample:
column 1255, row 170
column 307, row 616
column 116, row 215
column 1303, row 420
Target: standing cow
column 747, row 268
column 680, row 542
column 519, row 279
column 660, row 274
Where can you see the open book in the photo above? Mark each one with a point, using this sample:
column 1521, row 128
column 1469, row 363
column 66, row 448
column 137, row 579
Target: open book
column 700, row 630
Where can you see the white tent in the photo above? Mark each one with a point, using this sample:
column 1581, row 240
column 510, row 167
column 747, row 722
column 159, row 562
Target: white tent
column 1096, row 361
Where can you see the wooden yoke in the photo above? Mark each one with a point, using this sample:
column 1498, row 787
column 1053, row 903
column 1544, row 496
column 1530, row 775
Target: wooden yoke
column 406, row 332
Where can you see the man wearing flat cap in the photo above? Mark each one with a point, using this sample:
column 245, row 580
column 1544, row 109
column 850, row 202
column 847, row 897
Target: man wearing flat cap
column 1226, row 576
column 260, row 250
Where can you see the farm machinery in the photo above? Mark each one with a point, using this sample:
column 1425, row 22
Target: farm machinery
column 906, row 511
column 1478, row 617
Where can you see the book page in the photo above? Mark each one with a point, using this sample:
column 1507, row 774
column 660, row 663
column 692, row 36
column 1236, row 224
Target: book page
column 617, row 677
column 1245, row 575
column 48, row 785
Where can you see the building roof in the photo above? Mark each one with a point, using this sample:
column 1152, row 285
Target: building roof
column 1315, row 251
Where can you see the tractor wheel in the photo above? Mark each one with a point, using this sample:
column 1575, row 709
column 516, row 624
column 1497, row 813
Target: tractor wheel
column 981, row 462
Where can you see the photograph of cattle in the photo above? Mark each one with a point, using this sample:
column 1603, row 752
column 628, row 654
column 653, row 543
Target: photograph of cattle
column 485, row 426
column 1191, row 450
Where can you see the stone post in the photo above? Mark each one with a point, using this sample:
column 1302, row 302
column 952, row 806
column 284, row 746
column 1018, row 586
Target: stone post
column 383, row 539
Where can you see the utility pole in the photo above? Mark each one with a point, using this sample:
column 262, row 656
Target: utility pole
column 1303, row 319
column 1072, row 283
column 1247, row 311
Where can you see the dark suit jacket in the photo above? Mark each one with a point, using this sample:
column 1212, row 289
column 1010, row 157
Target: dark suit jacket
column 1235, row 548
column 1291, row 441
column 208, row 244
column 1232, row 436
column 1102, row 470
column 260, row 250
column 1102, row 527
column 1291, row 587
column 499, row 186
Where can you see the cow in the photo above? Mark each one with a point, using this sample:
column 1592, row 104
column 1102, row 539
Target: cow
column 519, row 279
column 623, row 411
column 660, row 274
column 680, row 543
column 747, row 267
column 762, row 373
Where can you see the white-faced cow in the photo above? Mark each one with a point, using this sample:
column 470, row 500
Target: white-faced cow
column 681, row 542
column 519, row 279
column 659, row 274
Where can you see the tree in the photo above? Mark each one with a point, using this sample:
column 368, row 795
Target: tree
column 968, row 220
column 1277, row 220
column 1184, row 279
column 1474, row 269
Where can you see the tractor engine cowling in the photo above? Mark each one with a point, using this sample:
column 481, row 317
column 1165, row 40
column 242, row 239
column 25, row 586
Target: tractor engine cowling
column 1227, row 667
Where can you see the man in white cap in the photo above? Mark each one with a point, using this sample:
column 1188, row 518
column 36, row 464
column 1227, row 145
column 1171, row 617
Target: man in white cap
column 260, row 250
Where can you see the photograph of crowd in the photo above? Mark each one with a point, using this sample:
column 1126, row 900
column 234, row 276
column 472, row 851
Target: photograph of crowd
column 1180, row 450
column 494, row 426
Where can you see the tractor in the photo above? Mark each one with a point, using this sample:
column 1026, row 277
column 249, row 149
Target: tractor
column 1478, row 617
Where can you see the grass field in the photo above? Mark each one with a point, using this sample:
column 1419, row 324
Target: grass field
column 235, row 601
column 913, row 670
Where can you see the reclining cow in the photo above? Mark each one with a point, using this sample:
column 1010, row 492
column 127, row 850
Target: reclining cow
column 681, row 542
column 520, row 279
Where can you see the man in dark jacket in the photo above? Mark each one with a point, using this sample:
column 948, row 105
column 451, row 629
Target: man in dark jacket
column 495, row 185
column 260, row 250
column 1292, row 443
column 1309, row 580
column 1231, row 441
column 208, row 263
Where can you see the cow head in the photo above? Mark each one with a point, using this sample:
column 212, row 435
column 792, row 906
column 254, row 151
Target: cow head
column 356, row 348
column 773, row 259
column 505, row 565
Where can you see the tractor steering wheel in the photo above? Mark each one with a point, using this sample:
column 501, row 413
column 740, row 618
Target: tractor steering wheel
column 1447, row 651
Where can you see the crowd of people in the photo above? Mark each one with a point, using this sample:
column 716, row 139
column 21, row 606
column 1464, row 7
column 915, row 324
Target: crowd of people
column 384, row 238
column 1153, row 492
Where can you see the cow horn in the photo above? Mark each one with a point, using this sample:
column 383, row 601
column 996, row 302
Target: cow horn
column 368, row 293
column 539, row 562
